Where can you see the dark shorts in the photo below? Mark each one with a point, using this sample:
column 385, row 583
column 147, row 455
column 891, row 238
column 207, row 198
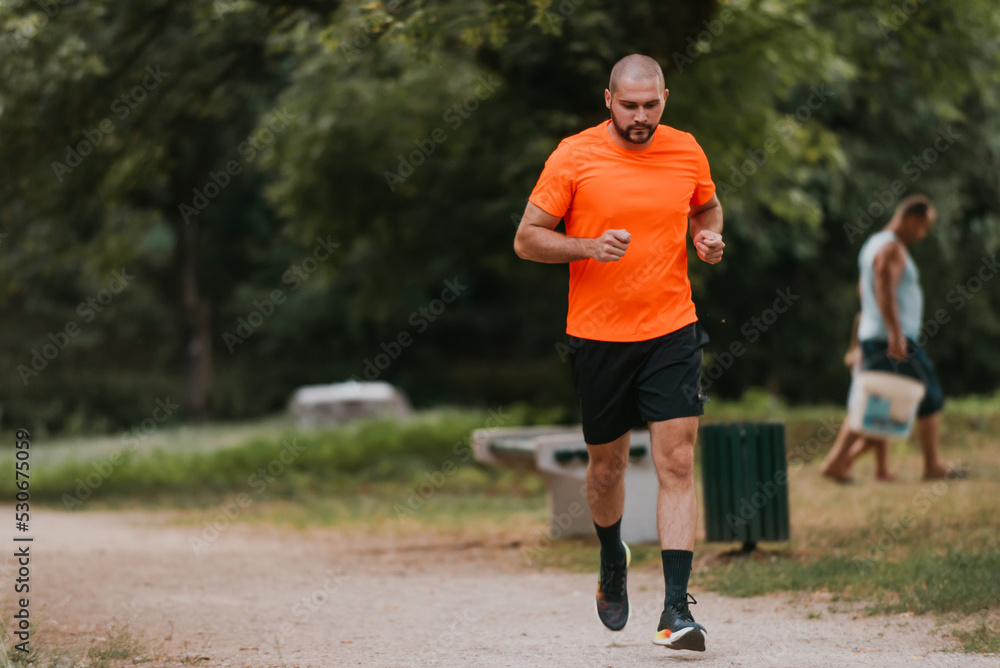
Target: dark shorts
column 916, row 365
column 625, row 385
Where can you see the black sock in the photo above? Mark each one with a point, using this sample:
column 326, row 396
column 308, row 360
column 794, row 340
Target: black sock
column 612, row 550
column 676, row 570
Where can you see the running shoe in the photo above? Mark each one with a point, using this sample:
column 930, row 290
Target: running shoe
column 612, row 594
column 678, row 630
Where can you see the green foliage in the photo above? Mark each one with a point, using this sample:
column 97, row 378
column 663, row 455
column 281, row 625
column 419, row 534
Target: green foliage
column 808, row 111
column 290, row 465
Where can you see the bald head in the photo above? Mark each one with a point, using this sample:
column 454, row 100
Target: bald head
column 913, row 218
column 914, row 206
column 635, row 68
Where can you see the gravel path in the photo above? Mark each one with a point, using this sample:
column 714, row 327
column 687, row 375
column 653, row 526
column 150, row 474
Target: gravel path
column 262, row 596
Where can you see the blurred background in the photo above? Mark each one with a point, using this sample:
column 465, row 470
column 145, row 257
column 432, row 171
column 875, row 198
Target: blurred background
column 208, row 204
column 217, row 202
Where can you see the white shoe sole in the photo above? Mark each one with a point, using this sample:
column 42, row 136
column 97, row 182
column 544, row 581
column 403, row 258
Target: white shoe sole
column 690, row 638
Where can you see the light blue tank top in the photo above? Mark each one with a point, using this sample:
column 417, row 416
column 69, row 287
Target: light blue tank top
column 909, row 296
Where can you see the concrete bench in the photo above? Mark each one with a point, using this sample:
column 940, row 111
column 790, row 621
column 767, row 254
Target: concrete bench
column 330, row 405
column 559, row 455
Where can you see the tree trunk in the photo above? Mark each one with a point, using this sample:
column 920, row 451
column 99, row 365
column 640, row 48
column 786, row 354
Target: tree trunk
column 197, row 330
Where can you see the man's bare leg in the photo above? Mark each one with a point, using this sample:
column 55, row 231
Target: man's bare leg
column 677, row 504
column 676, row 520
column 881, row 447
column 862, row 445
column 833, row 466
column 929, row 430
column 858, row 448
column 605, row 484
column 606, row 480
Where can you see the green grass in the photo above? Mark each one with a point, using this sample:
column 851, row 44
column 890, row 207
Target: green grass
column 984, row 638
column 13, row 657
column 284, row 465
column 418, row 475
column 118, row 648
column 920, row 582
column 120, row 644
column 473, row 496
column 174, row 438
column 910, row 546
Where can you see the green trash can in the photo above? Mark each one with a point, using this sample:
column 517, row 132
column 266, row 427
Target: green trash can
column 745, row 482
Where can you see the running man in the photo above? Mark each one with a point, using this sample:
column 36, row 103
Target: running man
column 629, row 190
column 892, row 305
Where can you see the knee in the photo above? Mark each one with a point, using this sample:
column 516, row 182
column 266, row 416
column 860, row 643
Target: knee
column 678, row 464
column 607, row 471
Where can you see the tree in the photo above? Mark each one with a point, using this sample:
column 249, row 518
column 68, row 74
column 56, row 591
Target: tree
column 411, row 133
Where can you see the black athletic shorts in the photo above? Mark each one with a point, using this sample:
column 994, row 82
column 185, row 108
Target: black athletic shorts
column 917, row 365
column 625, row 385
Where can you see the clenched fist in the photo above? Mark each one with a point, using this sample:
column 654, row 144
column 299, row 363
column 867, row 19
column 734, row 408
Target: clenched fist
column 611, row 246
column 709, row 246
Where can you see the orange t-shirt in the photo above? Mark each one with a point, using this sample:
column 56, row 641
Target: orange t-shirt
column 597, row 186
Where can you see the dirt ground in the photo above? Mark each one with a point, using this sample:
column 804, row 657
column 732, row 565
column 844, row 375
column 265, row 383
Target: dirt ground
column 263, row 596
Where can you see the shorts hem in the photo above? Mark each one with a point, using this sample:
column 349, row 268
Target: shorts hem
column 602, row 441
column 923, row 412
column 693, row 412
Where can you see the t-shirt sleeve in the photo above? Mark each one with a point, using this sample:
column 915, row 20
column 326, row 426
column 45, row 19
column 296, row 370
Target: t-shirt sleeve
column 704, row 188
column 553, row 193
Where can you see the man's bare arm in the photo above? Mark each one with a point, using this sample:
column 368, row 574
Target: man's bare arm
column 705, row 225
column 538, row 240
column 888, row 267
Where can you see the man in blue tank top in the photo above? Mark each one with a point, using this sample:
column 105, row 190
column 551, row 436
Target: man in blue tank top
column 892, row 304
